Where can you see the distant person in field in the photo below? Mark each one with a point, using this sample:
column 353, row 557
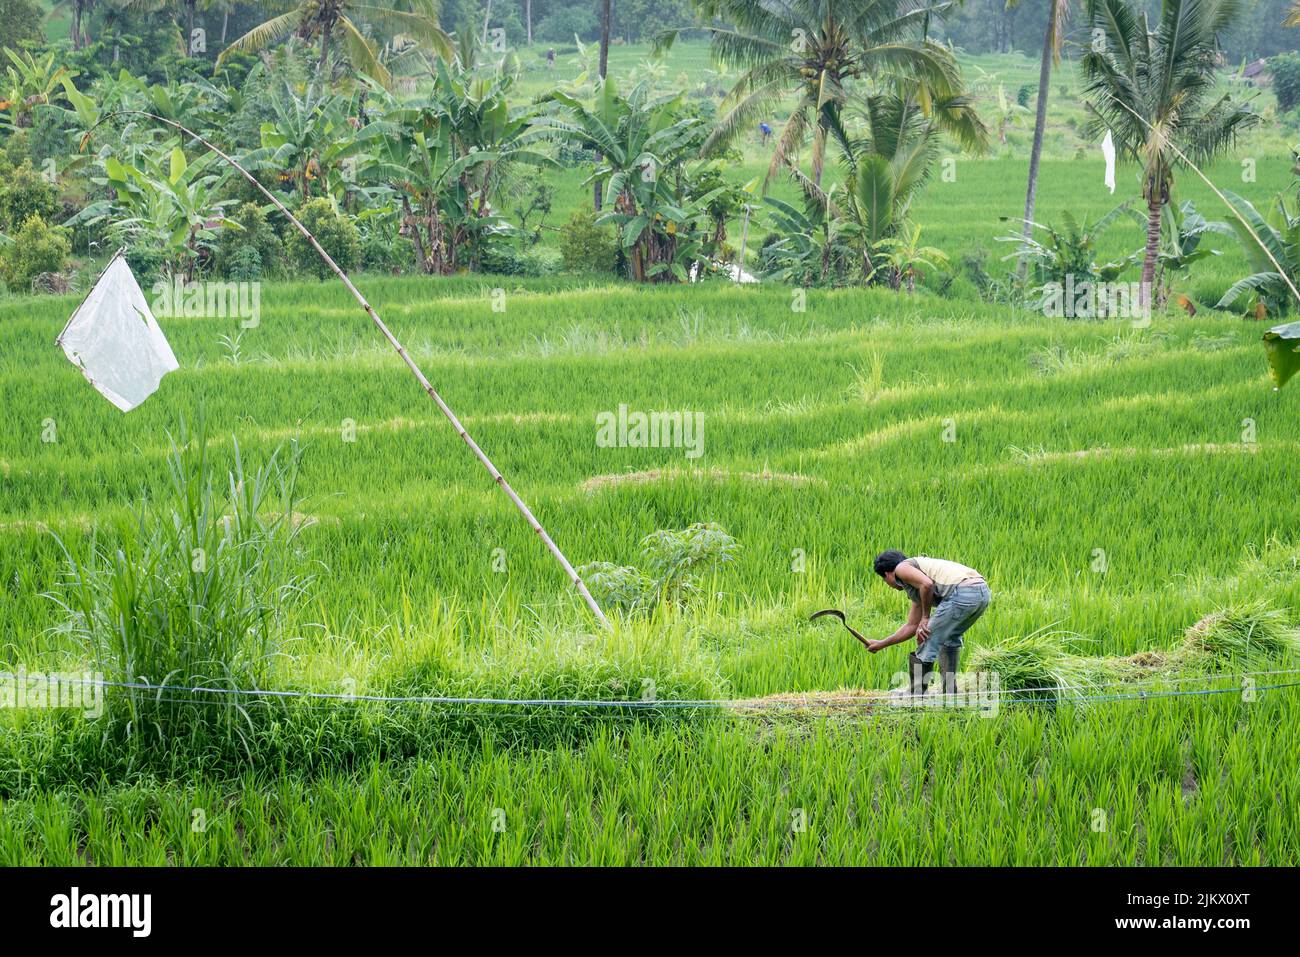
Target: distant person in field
column 765, row 131
column 947, row 598
column 550, row 59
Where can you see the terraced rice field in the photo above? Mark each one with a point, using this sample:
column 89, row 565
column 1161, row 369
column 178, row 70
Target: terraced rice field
column 1114, row 483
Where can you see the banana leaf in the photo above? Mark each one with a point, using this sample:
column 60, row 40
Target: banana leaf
column 1282, row 343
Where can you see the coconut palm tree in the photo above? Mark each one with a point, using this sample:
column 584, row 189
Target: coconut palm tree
column 1056, row 18
column 817, row 49
column 345, row 19
column 1154, row 90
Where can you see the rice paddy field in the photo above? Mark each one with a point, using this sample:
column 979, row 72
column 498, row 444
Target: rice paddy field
column 1113, row 483
column 1128, row 489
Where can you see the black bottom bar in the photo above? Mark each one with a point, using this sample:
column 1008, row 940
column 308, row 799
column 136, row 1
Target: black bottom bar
column 585, row 906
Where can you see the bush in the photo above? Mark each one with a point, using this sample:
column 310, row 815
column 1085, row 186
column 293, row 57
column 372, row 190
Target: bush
column 36, row 248
column 674, row 560
column 586, row 247
column 335, row 233
column 1024, row 93
column 382, row 252
column 245, row 265
column 20, row 22
column 147, row 259
column 231, row 251
column 24, row 195
column 1286, row 79
column 507, row 261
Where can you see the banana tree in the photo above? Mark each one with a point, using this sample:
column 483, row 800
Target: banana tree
column 903, row 256
column 166, row 201
column 30, row 82
column 310, row 142
column 1268, row 242
column 643, row 143
column 1183, row 229
column 448, row 155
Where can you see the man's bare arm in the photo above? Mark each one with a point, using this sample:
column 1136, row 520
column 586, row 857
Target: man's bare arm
column 924, row 585
column 904, row 633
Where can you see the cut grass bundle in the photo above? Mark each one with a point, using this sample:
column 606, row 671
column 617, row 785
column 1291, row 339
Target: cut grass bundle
column 1252, row 635
column 1038, row 665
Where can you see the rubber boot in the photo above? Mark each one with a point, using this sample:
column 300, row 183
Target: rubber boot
column 948, row 669
column 919, row 673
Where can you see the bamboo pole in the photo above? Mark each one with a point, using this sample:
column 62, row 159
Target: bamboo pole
column 401, row 351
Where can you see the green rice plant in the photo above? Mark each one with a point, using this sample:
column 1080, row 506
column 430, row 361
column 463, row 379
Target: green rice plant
column 194, row 592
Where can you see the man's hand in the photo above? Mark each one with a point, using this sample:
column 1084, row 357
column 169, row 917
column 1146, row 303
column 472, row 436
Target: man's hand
column 874, row 646
column 923, row 631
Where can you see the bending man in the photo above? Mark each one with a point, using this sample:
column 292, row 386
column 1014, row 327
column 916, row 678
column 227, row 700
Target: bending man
column 947, row 598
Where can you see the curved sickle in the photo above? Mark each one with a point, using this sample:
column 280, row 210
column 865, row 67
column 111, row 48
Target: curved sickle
column 836, row 613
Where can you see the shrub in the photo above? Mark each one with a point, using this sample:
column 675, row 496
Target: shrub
column 20, row 22
column 36, row 248
column 148, row 260
column 335, row 233
column 505, row 260
column 1285, row 69
column 1024, row 93
column 586, row 247
column 382, row 252
column 245, row 265
column 230, row 252
column 24, row 195
column 674, row 560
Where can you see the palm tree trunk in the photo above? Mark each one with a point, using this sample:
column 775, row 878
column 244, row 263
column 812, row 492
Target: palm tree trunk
column 1153, row 248
column 189, row 26
column 603, row 68
column 1040, row 123
column 604, row 36
column 225, row 22
column 324, row 47
column 819, row 152
column 528, row 19
column 487, row 15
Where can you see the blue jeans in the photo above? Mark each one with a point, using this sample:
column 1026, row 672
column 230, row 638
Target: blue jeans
column 951, row 617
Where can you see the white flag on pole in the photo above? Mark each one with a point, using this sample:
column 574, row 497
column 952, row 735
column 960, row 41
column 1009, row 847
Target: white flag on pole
column 1108, row 151
column 115, row 341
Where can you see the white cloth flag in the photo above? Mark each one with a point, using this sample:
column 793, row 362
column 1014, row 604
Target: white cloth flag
column 115, row 341
column 1108, row 151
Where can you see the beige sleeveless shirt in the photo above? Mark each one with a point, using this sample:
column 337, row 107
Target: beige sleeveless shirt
column 946, row 576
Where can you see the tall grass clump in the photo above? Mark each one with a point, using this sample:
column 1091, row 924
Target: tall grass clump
column 193, row 592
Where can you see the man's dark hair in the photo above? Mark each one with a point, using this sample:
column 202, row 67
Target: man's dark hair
column 886, row 562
